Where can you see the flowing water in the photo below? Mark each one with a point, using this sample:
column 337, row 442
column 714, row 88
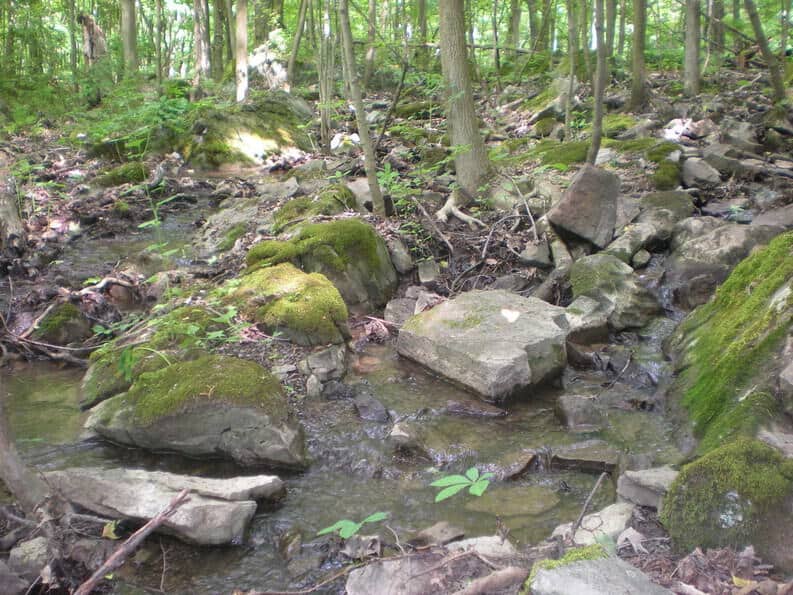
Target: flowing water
column 355, row 470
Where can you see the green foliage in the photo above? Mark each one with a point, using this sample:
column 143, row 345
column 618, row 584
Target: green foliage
column 666, row 176
column 347, row 528
column 452, row 484
column 559, row 155
column 127, row 173
column 591, row 552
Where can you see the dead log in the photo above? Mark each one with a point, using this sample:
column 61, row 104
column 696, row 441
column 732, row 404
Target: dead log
column 13, row 239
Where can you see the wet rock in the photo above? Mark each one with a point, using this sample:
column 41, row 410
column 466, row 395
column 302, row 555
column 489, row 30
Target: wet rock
column 512, row 502
column 514, row 282
column 408, row 437
column 399, row 310
column 698, row 173
column 218, row 512
column 429, row 272
column 510, row 465
column 369, row 408
column 335, row 390
column 742, row 136
column 782, row 441
column 641, row 259
column 63, row 325
column 28, row 558
column 606, row 576
column 473, row 409
column 493, row 342
column 593, row 456
column 580, row 413
column 409, row 575
column 326, row 364
column 588, row 208
column 727, row 160
column 313, row 387
column 587, row 321
column 214, row 406
column 10, row 582
column 536, row 255
column 400, row 255
column 560, row 254
column 440, row 533
column 223, row 228
column 612, row 283
column 610, row 522
column 693, row 227
column 490, row 546
column 647, row 487
column 781, row 217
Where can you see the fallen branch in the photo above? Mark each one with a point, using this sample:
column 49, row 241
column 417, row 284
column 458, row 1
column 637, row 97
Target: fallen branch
column 126, row 548
column 434, row 226
column 580, row 518
column 495, row 581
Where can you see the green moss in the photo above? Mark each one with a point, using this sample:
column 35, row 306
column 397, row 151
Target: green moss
column 667, row 176
column 541, row 100
column 57, row 318
column 544, row 126
column 127, row 173
column 183, row 328
column 334, row 199
column 597, row 275
column 231, row 236
column 727, row 345
column 590, row 552
column 660, row 151
column 720, row 499
column 122, row 208
column 635, row 145
column 551, row 152
column 209, row 378
column 335, row 243
column 306, row 308
column 615, row 124
column 471, row 320
column 678, row 202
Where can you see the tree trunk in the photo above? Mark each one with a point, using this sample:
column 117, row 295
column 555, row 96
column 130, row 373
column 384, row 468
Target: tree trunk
column 423, row 51
column 159, row 39
column 241, row 49
column 301, row 24
column 600, row 83
column 494, row 25
column 72, row 13
column 216, row 63
column 201, row 42
column 777, row 84
column 370, row 162
column 783, row 34
column 325, row 71
column 639, row 74
column 471, row 161
column 572, row 49
column 129, row 37
column 611, row 26
column 534, row 26
column 370, row 42
column 584, row 25
column 691, row 61
column 621, row 36
column 716, row 36
column 514, row 24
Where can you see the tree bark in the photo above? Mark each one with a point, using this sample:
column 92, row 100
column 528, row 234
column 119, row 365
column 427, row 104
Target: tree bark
column 471, row 161
column 325, row 70
column 777, row 84
column 611, row 26
column 200, row 41
column 241, row 49
column 216, row 63
column 301, row 25
column 13, row 239
column 600, row 83
column 370, row 43
column 639, row 74
column 370, row 162
column 514, row 23
column 621, row 35
column 129, row 36
column 691, row 61
column 572, row 49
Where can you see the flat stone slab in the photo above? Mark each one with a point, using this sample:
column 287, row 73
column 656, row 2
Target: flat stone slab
column 611, row 521
column 607, row 576
column 594, row 456
column 218, row 512
column 491, row 342
column 647, row 487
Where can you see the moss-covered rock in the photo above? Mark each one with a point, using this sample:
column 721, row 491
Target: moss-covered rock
column 666, row 176
column 725, row 348
column 738, row 494
column 333, row 199
column 305, row 308
column 615, row 124
column 544, row 126
column 133, row 172
column 590, row 552
column 210, row 406
column 559, row 155
column 62, row 325
column 248, row 133
column 348, row 252
column 231, row 236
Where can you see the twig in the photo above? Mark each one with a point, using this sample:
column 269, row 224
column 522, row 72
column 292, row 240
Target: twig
column 611, row 384
column 164, row 567
column 434, row 226
column 383, row 322
column 492, row 229
column 126, row 548
column 397, row 96
column 580, row 518
column 396, row 538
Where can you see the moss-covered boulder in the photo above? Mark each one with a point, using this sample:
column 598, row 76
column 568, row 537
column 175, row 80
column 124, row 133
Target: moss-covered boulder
column 305, row 308
column 133, row 172
column 727, row 350
column 611, row 282
column 212, row 406
column 738, row 494
column 331, row 200
column 348, row 252
column 174, row 336
column 62, row 325
column 270, row 124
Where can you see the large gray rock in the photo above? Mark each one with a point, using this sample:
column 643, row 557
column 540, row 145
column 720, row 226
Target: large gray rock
column 218, row 512
column 700, row 265
column 588, row 208
column 611, row 282
column 693, row 227
column 28, row 558
column 647, row 487
column 587, row 320
column 491, row 342
column 607, row 576
column 698, row 172
column 609, row 522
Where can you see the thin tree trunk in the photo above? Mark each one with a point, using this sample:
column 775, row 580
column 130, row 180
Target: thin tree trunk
column 370, row 162
column 514, row 23
column 572, row 49
column 777, row 84
column 691, row 61
column 611, row 25
column 216, row 63
column 241, row 49
column 600, row 83
column 72, row 12
column 129, row 36
column 201, row 42
column 158, row 39
column 470, row 9
column 325, row 70
column 584, row 28
column 639, row 73
column 421, row 18
column 471, row 161
column 621, row 36
column 494, row 25
column 370, row 43
column 301, row 24
column 783, row 34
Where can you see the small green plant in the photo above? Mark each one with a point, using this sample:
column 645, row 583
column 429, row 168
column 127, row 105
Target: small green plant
column 347, row 528
column 451, row 484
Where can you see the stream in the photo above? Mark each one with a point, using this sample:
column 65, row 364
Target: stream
column 354, row 470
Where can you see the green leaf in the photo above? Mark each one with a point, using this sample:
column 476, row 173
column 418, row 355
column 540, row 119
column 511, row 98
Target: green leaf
column 334, row 527
column 479, row 487
column 450, row 480
column 449, row 492
column 472, row 474
column 348, row 531
column 487, row 476
column 374, row 518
